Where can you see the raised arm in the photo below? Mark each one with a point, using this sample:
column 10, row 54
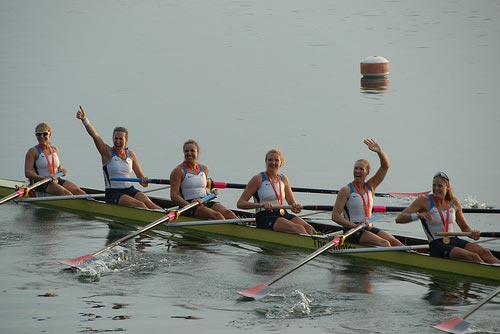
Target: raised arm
column 101, row 146
column 379, row 176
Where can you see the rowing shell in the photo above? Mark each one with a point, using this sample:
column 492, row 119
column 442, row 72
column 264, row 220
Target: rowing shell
column 252, row 234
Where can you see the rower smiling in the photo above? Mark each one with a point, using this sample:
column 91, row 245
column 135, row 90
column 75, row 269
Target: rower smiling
column 43, row 160
column 268, row 189
column 188, row 183
column 354, row 201
column 438, row 212
column 119, row 161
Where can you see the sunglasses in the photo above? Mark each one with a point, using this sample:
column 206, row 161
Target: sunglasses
column 442, row 175
column 39, row 134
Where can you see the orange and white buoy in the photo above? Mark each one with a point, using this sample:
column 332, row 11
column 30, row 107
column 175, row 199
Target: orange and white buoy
column 375, row 67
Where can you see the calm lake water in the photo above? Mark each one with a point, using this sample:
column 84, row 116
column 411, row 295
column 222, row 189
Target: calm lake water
column 241, row 77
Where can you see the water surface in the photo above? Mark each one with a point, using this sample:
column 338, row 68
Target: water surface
column 241, row 77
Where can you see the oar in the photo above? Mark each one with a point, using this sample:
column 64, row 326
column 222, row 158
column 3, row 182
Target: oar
column 66, row 197
column 172, row 215
column 378, row 249
column 136, row 179
column 212, row 222
column 58, row 198
column 383, row 208
column 24, row 190
column 224, row 185
column 151, row 190
column 459, row 325
column 468, row 234
column 262, row 290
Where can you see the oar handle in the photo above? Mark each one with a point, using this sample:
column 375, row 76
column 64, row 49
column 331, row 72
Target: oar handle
column 468, row 234
column 41, row 182
column 137, row 179
column 21, row 192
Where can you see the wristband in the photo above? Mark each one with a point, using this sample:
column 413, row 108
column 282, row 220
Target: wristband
column 414, row 216
column 86, row 122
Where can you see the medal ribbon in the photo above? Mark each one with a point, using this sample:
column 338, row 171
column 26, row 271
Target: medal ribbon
column 280, row 197
column 122, row 155
column 445, row 223
column 51, row 165
column 196, row 167
column 365, row 205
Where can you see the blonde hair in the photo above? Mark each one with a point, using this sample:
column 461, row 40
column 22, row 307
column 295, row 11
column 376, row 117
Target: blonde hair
column 278, row 152
column 364, row 162
column 449, row 193
column 44, row 125
column 191, row 141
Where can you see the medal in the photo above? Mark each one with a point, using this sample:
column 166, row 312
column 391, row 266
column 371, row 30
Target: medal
column 282, row 212
column 446, row 239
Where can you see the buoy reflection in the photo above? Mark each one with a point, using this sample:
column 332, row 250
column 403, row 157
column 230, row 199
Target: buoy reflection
column 374, row 85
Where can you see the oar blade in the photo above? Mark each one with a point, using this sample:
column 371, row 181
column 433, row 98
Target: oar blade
column 78, row 260
column 455, row 325
column 408, row 195
column 256, row 292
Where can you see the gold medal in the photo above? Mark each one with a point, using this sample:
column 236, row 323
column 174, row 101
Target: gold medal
column 282, row 212
column 446, row 240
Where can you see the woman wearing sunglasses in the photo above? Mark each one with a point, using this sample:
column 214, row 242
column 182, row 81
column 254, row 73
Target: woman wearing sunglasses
column 42, row 161
column 438, row 212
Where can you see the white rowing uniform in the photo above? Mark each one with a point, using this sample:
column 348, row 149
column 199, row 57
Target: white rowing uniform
column 437, row 225
column 117, row 167
column 194, row 185
column 266, row 193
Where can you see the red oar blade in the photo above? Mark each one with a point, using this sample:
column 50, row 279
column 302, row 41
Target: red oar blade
column 455, row 325
column 256, row 292
column 78, row 260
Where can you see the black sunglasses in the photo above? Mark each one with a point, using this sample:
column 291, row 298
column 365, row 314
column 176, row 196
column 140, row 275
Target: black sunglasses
column 39, row 134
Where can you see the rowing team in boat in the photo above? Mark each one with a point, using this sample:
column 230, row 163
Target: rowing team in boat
column 438, row 211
